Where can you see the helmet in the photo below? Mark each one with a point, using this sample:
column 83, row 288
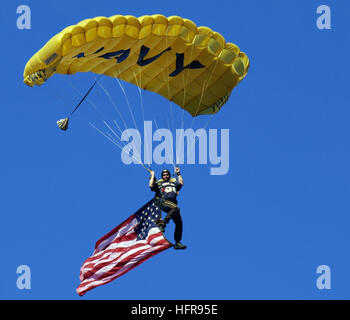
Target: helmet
column 166, row 171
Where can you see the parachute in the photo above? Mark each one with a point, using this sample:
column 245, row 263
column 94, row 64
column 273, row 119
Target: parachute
column 192, row 66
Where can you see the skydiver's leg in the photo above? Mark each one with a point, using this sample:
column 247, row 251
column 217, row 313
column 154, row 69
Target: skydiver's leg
column 176, row 216
column 161, row 222
column 170, row 208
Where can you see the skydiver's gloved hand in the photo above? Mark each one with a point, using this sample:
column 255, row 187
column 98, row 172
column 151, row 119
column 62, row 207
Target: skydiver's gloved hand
column 177, row 171
column 152, row 179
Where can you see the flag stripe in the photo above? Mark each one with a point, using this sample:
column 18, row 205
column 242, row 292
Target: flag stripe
column 115, row 245
column 120, row 230
column 127, row 226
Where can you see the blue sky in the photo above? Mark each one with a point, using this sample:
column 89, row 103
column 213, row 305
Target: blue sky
column 258, row 232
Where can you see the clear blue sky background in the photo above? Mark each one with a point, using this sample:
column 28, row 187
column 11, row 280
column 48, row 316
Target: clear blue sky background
column 258, row 232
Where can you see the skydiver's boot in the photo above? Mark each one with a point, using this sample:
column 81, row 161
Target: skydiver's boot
column 179, row 245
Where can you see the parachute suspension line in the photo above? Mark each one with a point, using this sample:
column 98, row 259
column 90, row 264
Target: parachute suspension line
column 115, row 122
column 88, row 100
column 141, row 103
column 129, row 106
column 102, row 116
column 183, row 112
column 168, row 86
column 140, row 92
column 115, row 107
column 205, row 86
column 168, row 122
column 120, row 145
column 194, row 141
column 126, row 146
column 172, row 117
column 184, row 100
column 115, row 142
column 172, row 127
column 118, row 127
column 164, row 75
column 172, row 159
column 127, row 101
column 116, row 135
column 109, row 138
column 169, row 157
column 63, row 123
column 86, row 94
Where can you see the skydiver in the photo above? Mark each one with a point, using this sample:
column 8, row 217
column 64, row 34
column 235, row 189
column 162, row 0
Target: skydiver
column 166, row 190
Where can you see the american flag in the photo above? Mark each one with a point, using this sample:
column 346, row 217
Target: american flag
column 135, row 240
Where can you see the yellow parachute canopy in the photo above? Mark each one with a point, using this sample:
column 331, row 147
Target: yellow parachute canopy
column 189, row 65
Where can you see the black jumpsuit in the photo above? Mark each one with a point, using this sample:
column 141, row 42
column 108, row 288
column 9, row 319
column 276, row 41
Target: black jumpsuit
column 165, row 198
